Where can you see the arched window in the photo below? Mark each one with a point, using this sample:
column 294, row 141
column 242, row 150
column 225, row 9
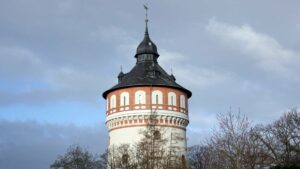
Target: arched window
column 113, row 101
column 171, row 99
column 157, row 97
column 140, row 97
column 124, row 99
column 182, row 101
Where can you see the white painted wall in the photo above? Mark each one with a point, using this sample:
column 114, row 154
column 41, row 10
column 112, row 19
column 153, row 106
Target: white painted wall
column 132, row 135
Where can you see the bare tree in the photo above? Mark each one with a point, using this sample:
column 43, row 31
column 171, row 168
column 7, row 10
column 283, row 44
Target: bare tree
column 122, row 156
column 151, row 150
column 232, row 146
column 200, row 156
column 281, row 139
column 78, row 158
column 235, row 144
column 173, row 157
column 231, row 140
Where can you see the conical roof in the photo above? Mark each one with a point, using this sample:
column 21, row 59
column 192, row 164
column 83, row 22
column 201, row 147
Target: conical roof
column 146, row 46
column 147, row 74
column 147, row 71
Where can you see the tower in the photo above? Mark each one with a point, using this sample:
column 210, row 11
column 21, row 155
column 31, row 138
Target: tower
column 147, row 91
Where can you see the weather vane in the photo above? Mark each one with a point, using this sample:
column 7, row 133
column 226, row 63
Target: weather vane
column 146, row 8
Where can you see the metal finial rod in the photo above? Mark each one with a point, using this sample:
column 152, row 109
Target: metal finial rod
column 146, row 19
column 146, row 8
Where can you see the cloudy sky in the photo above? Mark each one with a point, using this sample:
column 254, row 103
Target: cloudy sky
column 58, row 56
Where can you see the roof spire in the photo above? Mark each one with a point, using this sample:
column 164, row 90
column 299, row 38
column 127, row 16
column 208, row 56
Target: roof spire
column 146, row 18
column 121, row 74
column 147, row 46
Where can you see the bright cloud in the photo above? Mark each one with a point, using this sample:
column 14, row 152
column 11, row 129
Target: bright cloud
column 268, row 53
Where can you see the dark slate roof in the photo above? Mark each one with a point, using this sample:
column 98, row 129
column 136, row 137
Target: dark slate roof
column 147, row 71
column 147, row 74
column 146, row 46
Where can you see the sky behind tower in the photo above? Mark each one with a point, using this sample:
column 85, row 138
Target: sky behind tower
column 58, row 56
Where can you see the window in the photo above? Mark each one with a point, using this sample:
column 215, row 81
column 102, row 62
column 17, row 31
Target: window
column 171, row 99
column 156, row 135
column 124, row 99
column 182, row 101
column 145, row 57
column 113, row 101
column 157, row 97
column 140, row 97
column 125, row 158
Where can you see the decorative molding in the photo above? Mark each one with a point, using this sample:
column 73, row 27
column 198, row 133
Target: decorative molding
column 144, row 125
column 147, row 112
column 144, row 119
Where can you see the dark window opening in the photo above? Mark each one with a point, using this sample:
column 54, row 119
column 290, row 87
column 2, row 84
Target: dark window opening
column 125, row 158
column 140, row 99
column 124, row 100
column 157, row 135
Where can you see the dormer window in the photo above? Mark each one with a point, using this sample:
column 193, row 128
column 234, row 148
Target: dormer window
column 145, row 57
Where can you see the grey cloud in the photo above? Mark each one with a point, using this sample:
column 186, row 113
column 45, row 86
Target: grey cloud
column 239, row 77
column 32, row 145
column 64, row 45
column 74, row 48
column 19, row 62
